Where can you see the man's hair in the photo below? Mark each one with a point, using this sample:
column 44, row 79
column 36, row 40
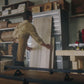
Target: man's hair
column 27, row 15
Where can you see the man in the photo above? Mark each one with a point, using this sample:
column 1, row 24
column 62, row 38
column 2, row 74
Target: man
column 22, row 33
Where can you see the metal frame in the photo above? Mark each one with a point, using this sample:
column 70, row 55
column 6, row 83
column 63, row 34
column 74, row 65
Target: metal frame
column 43, row 69
column 27, row 80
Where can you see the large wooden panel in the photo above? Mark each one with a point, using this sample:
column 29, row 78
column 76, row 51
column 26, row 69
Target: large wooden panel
column 40, row 56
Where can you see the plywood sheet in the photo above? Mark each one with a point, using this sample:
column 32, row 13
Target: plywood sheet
column 40, row 56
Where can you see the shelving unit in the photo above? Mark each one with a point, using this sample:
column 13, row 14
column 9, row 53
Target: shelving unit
column 26, row 12
column 6, row 29
column 78, row 15
column 11, row 15
column 6, row 42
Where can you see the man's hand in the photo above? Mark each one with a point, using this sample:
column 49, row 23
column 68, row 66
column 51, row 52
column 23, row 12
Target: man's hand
column 29, row 48
column 47, row 45
column 15, row 40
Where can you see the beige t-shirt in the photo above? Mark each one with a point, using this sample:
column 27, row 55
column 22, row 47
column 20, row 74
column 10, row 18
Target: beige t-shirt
column 25, row 29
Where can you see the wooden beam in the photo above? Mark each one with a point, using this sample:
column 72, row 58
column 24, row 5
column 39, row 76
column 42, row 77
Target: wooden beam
column 69, row 53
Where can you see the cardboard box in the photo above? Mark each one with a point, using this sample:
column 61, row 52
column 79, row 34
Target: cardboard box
column 10, row 49
column 10, row 25
column 6, row 12
column 3, row 63
column 7, row 36
column 48, row 6
column 4, row 24
column 36, row 9
column 15, row 11
column 56, row 5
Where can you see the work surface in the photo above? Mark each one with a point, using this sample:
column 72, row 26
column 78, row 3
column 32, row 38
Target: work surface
column 39, row 77
column 69, row 53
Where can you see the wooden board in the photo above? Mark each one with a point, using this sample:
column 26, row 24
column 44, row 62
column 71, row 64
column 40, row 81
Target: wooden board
column 40, row 56
column 74, row 65
column 69, row 53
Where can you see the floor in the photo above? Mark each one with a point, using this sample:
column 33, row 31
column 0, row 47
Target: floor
column 78, row 78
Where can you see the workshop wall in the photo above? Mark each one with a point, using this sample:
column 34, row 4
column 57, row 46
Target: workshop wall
column 1, row 4
column 75, row 25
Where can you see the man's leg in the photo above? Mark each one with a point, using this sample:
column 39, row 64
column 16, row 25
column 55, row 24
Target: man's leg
column 14, row 52
column 21, row 50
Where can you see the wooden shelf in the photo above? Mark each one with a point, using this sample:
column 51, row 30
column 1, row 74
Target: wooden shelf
column 78, row 15
column 75, row 45
column 17, row 3
column 12, row 15
column 6, row 56
column 6, row 42
column 4, row 29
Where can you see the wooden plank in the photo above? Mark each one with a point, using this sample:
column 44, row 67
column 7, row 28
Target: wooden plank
column 40, row 56
column 80, row 64
column 72, row 58
column 74, row 65
column 69, row 53
column 52, row 53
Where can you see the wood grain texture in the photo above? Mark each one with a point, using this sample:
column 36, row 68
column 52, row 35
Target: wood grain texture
column 78, row 78
column 40, row 56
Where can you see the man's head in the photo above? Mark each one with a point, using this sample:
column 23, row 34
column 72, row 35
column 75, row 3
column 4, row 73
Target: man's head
column 27, row 15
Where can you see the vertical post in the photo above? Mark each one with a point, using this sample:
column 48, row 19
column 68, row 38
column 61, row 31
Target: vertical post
column 62, row 3
column 6, row 2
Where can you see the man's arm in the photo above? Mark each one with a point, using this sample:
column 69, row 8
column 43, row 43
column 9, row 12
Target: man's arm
column 36, row 37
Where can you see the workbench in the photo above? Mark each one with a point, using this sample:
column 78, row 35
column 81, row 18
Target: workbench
column 69, row 53
column 76, row 57
column 43, row 76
